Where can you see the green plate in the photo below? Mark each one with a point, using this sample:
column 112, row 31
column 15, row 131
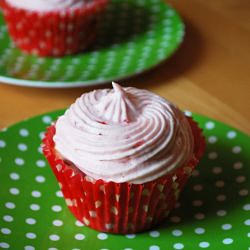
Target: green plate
column 213, row 212
column 134, row 36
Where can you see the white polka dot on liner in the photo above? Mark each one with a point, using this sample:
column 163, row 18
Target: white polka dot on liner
column 30, row 235
column 22, row 147
column 204, row 244
column 130, row 236
column 23, row 132
column 56, row 208
column 209, row 125
column 19, row 161
column 34, row 207
column 5, row 231
column 8, row 218
column 231, row 134
column 154, row 247
column 177, row 232
column 247, row 222
column 42, row 135
column 10, row 205
column 226, row 226
column 199, row 230
column 36, row 194
column 197, row 187
column 14, row 176
column 196, row 173
column 14, row 191
column 175, row 219
column 227, row 241
column 54, row 237
column 248, row 235
column 40, row 163
column 30, row 221
column 236, row 149
column 197, row 203
column 57, row 223
column 102, row 236
column 40, row 178
column 154, row 234
column 4, row 245
column 178, row 246
column 79, row 236
column 2, row 143
column 39, row 150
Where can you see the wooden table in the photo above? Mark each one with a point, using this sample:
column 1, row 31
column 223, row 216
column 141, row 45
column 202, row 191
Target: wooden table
column 210, row 73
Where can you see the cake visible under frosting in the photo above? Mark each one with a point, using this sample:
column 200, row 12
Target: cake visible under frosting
column 124, row 135
column 47, row 5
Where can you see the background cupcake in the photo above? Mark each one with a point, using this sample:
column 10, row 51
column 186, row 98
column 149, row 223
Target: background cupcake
column 52, row 27
column 122, row 157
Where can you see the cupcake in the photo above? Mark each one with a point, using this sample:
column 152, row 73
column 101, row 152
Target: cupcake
column 52, row 27
column 121, row 157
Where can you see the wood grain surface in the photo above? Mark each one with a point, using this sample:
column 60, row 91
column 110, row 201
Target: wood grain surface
column 209, row 74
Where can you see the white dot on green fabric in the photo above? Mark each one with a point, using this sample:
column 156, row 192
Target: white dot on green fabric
column 178, row 246
column 231, row 134
column 247, row 222
column 2, row 143
column 36, row 194
column 79, row 223
column 221, row 212
column 199, row 230
column 248, row 235
column 29, row 248
column 177, row 232
column 175, row 219
column 8, row 218
column 209, row 125
column 154, row 247
column 227, row 241
column 59, row 193
column 102, row 236
column 34, row 207
column 57, row 223
column 22, row 147
column 212, row 155
column 199, row 216
column 130, row 236
column 212, row 139
column 246, row 207
column 5, row 230
column 236, row 149
column 154, row 234
column 24, row 132
column 4, row 245
column 41, row 135
column 40, row 178
column 30, row 221
column 14, row 176
column 56, row 208
column 79, row 236
column 243, row 192
column 40, row 163
column 238, row 165
column 204, row 244
column 14, row 191
column 10, row 205
column 30, row 235
column 19, row 161
column 226, row 226
column 221, row 197
column 47, row 119
column 54, row 237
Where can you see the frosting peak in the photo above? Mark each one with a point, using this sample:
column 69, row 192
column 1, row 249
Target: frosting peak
column 155, row 139
column 117, row 106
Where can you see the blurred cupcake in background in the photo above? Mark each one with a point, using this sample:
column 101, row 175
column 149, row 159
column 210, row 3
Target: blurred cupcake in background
column 121, row 157
column 52, row 27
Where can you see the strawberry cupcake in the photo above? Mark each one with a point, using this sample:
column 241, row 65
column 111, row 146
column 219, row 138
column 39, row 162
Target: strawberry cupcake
column 121, row 157
column 52, row 27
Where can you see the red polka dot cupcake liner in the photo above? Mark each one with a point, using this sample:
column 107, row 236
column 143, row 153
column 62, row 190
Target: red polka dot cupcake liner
column 120, row 207
column 53, row 33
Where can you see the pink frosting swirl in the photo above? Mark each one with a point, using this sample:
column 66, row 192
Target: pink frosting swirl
column 124, row 135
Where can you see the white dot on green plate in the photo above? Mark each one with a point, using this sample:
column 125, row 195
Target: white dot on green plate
column 56, row 208
column 4, row 245
column 204, row 244
column 23, row 132
column 10, row 205
column 22, row 147
column 199, row 230
column 8, row 218
column 209, row 125
column 154, row 234
column 5, row 230
column 227, row 241
column 54, row 237
column 231, row 134
column 246, row 207
column 14, row 191
column 154, row 247
column 247, row 222
column 2, row 143
column 102, row 236
column 226, row 226
column 130, row 236
column 40, row 163
column 79, row 236
column 19, row 161
column 57, row 223
column 177, row 232
column 178, row 246
column 30, row 235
